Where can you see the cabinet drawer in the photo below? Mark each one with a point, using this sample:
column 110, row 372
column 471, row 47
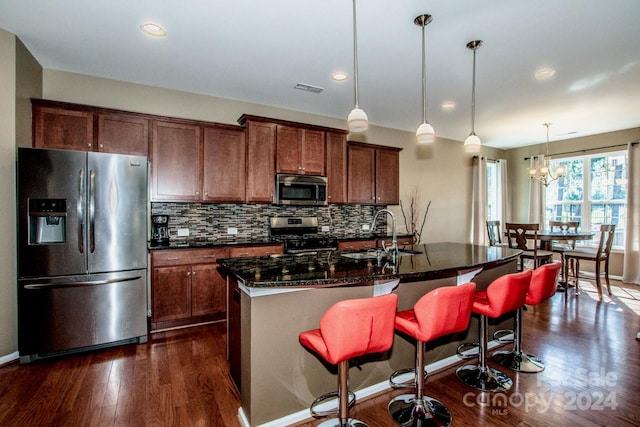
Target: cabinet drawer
column 356, row 245
column 402, row 241
column 187, row 256
column 250, row 251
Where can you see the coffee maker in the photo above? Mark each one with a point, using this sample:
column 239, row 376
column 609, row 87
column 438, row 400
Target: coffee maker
column 159, row 230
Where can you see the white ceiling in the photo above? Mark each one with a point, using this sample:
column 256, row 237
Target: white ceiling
column 257, row 50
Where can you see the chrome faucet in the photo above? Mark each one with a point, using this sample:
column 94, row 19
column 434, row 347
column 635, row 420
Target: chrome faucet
column 394, row 238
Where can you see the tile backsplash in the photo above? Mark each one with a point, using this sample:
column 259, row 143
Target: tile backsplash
column 211, row 221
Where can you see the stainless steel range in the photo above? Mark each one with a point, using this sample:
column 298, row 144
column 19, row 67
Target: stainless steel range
column 300, row 235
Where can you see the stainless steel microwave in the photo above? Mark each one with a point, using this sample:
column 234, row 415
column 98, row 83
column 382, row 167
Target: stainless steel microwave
column 302, row 190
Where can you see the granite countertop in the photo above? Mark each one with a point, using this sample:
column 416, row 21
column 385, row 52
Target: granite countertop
column 325, row 269
column 212, row 243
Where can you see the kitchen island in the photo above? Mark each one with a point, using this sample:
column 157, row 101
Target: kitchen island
column 272, row 299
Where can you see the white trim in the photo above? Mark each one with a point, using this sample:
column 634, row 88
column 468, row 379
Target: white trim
column 303, row 415
column 9, row 358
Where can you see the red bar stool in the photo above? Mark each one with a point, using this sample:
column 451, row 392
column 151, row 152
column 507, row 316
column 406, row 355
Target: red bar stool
column 440, row 312
column 544, row 282
column 505, row 294
column 349, row 329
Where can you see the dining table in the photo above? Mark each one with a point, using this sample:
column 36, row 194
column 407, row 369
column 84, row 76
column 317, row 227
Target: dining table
column 547, row 237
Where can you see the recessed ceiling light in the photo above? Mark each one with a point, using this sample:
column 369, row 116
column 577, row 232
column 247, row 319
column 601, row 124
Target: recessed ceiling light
column 544, row 73
column 153, row 29
column 448, row 105
column 339, row 76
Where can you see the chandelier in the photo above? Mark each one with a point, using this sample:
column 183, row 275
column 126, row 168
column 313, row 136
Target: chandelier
column 543, row 173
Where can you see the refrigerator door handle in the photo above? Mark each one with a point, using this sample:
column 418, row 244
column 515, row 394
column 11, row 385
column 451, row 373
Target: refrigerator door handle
column 33, row 286
column 80, row 209
column 92, row 211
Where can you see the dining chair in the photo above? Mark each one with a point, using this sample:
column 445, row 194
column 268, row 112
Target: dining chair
column 560, row 246
column 525, row 238
column 494, row 231
column 599, row 256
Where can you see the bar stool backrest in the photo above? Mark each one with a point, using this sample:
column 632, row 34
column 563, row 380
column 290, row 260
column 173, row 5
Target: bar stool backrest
column 544, row 282
column 444, row 311
column 507, row 293
column 355, row 327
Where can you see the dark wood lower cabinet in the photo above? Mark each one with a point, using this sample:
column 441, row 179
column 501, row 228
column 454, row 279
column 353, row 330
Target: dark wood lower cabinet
column 186, row 287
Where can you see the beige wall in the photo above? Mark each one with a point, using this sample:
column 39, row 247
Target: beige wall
column 8, row 311
column 20, row 79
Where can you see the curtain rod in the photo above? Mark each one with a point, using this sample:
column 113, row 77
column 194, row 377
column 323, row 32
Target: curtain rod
column 493, row 160
column 585, row 150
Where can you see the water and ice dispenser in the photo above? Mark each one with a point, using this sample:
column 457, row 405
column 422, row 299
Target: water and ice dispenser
column 47, row 221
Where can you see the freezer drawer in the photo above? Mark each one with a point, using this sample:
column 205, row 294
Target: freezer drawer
column 63, row 315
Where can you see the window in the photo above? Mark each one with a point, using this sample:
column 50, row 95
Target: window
column 493, row 192
column 592, row 191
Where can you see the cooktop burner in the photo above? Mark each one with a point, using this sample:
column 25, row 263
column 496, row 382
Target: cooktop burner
column 310, row 244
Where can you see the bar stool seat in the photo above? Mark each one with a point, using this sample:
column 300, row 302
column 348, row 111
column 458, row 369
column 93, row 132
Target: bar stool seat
column 441, row 312
column 544, row 282
column 506, row 293
column 349, row 329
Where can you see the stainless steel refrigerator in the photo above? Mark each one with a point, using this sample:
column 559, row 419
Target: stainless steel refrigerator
column 82, row 251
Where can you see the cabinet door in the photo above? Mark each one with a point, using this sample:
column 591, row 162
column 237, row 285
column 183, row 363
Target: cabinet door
column 208, row 290
column 260, row 162
column 171, row 293
column 176, row 162
column 387, row 177
column 61, row 129
column 119, row 133
column 224, row 165
column 336, row 167
column 288, row 145
column 312, row 150
column 361, row 175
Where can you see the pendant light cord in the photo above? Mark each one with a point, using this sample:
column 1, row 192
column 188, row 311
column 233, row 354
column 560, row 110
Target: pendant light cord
column 355, row 55
column 473, row 94
column 424, row 79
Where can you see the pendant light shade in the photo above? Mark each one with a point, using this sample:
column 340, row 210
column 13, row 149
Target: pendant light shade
column 472, row 144
column 425, row 133
column 357, row 121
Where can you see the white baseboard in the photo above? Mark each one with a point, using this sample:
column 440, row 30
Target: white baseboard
column 360, row 394
column 9, row 358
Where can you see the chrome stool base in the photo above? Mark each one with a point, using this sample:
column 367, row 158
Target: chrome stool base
column 488, row 380
column 406, row 410
column 335, row 422
column 519, row 362
column 325, row 398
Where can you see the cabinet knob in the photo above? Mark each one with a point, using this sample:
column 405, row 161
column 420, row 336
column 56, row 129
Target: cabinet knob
column 378, row 197
column 101, row 145
column 89, row 145
column 197, row 193
column 193, row 273
column 206, row 193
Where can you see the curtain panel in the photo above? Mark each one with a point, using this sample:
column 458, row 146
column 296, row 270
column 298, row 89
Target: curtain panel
column 631, row 265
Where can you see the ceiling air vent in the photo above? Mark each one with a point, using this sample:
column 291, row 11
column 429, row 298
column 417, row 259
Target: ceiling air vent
column 308, row 88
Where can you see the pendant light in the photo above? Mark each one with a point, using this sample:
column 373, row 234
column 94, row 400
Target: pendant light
column 543, row 173
column 472, row 144
column 357, row 120
column 425, row 133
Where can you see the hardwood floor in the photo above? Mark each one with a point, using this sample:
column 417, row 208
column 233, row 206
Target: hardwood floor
column 179, row 378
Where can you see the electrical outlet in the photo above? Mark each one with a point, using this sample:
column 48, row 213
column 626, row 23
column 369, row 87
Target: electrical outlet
column 183, row 232
column 365, row 227
column 324, row 228
column 232, row 230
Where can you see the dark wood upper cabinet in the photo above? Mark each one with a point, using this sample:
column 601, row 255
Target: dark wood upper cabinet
column 62, row 129
column 336, row 167
column 176, row 161
column 373, row 174
column 224, row 165
column 261, row 146
column 300, row 150
column 120, row 133
column 65, row 126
